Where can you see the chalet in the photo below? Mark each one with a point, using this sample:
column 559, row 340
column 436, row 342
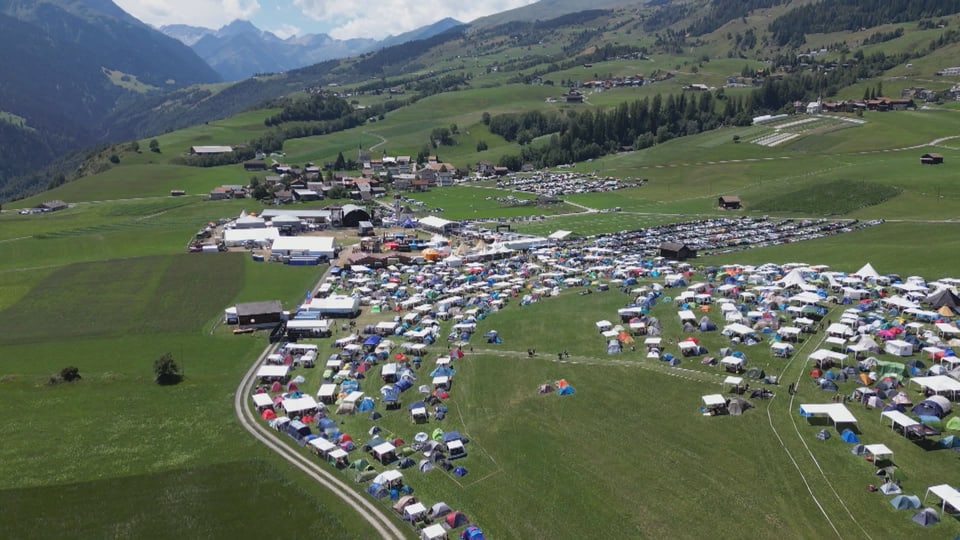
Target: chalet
column 696, row 87
column 254, row 165
column 677, row 251
column 403, row 181
column 419, row 184
column 438, row 174
column 283, row 196
column 272, row 179
column 210, row 150
column 266, row 313
column 52, row 206
column 304, row 195
column 501, row 171
column 573, row 96
column 931, row 159
column 729, row 202
column 485, row 168
column 221, row 193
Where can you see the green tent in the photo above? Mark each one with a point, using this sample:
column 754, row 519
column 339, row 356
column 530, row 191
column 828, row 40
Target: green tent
column 437, row 434
column 884, row 368
column 954, row 423
column 360, row 464
column 366, row 476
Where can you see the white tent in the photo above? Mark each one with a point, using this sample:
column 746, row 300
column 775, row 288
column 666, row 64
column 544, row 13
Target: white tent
column 947, row 494
column 898, row 347
column 838, row 412
column 867, row 272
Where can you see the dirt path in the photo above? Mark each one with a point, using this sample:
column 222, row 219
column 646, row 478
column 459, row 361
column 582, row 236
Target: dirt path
column 373, row 514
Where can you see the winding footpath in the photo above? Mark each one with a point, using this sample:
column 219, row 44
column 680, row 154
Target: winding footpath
column 366, row 509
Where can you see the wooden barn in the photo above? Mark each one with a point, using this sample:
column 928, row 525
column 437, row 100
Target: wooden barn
column 265, row 313
column 677, row 251
column 729, row 202
column 931, row 159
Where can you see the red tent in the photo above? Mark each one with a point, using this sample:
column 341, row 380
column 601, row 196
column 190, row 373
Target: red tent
column 456, row 519
column 291, row 386
column 307, row 419
column 268, row 414
column 275, row 387
column 815, row 372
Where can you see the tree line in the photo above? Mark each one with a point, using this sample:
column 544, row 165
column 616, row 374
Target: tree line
column 850, row 15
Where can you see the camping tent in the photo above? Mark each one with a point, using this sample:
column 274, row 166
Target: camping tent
column 737, row 406
column 472, row 533
column 456, row 520
column 890, row 488
column 926, row 517
column 849, row 436
column 898, row 347
column 823, row 435
column 901, row 502
column 938, row 406
column 439, row 510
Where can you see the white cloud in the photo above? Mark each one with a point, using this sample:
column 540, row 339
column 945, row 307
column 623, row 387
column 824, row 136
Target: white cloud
column 365, row 19
column 285, row 31
column 206, row 13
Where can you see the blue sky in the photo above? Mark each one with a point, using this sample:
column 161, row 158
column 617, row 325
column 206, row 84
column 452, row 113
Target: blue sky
column 340, row 18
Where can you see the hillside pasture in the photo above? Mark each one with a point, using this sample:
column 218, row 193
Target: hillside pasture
column 145, row 295
column 475, row 202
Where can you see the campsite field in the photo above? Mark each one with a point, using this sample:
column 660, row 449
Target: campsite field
column 630, row 449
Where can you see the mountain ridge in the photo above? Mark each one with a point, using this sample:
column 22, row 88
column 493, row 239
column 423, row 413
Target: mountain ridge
column 240, row 49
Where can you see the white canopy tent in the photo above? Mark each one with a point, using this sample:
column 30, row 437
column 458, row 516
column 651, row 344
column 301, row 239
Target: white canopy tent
column 947, row 494
column 837, row 412
column 877, row 451
column 938, row 384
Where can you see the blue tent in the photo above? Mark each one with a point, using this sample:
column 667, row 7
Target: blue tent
column 460, row 471
column 928, row 407
column 402, row 384
column 377, row 491
column 566, row 390
column 365, row 405
column 950, row 441
column 416, row 405
column 443, row 371
column 372, row 341
column 472, row 533
column 849, row 436
column 901, row 502
column 827, row 384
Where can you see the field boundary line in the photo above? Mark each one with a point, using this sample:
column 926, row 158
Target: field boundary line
column 786, row 450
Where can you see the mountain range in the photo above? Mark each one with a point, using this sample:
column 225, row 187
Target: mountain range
column 240, row 49
column 66, row 65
